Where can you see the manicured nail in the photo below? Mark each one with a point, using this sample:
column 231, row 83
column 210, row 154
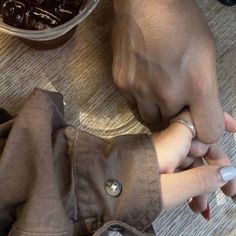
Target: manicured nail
column 206, row 214
column 227, row 173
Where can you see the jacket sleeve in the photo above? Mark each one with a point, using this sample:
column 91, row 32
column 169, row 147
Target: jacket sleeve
column 82, row 181
column 117, row 180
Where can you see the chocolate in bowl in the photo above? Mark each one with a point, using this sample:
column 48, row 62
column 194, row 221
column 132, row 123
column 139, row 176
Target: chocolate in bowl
column 38, row 14
column 45, row 31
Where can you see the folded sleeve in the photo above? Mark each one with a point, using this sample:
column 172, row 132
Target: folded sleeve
column 118, row 180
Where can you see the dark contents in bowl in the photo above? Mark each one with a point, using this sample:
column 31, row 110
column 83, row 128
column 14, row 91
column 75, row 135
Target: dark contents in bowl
column 38, row 14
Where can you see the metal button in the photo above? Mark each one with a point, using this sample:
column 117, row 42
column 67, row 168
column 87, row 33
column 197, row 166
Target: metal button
column 113, row 187
column 116, row 228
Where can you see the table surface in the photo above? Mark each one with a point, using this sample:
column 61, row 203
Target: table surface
column 81, row 70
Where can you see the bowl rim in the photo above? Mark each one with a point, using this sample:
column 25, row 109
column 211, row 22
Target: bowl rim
column 51, row 33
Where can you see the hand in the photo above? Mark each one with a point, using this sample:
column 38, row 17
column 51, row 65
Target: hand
column 164, row 60
column 174, row 146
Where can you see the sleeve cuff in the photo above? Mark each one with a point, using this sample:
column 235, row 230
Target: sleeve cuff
column 132, row 161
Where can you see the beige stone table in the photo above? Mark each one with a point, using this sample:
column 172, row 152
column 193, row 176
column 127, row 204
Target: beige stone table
column 81, row 70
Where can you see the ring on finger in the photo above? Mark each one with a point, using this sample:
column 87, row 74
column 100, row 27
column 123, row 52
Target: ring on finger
column 187, row 123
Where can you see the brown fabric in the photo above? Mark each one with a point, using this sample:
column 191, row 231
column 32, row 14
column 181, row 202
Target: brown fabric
column 52, row 176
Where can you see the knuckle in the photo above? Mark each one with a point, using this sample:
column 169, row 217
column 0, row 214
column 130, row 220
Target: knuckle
column 142, row 92
column 167, row 97
column 201, row 86
column 121, row 84
column 202, row 181
column 200, row 151
column 116, row 79
column 119, row 78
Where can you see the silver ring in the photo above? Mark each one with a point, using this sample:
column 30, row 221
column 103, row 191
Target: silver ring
column 188, row 124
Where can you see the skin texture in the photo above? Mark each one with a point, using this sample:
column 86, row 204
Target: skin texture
column 164, row 61
column 183, row 173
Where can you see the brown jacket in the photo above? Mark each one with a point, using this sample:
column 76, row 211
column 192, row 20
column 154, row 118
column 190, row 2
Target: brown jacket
column 58, row 181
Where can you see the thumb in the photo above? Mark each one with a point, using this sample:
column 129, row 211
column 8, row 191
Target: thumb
column 179, row 187
column 208, row 118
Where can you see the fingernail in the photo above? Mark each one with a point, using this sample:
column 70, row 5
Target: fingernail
column 206, row 214
column 227, row 173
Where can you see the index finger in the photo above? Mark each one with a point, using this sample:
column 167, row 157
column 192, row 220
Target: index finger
column 216, row 156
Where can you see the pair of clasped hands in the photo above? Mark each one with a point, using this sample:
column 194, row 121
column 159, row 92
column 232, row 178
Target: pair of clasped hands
column 164, row 62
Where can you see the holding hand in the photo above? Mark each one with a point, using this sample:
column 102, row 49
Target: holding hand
column 183, row 173
column 164, row 60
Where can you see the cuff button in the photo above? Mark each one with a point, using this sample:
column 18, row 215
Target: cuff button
column 113, row 187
